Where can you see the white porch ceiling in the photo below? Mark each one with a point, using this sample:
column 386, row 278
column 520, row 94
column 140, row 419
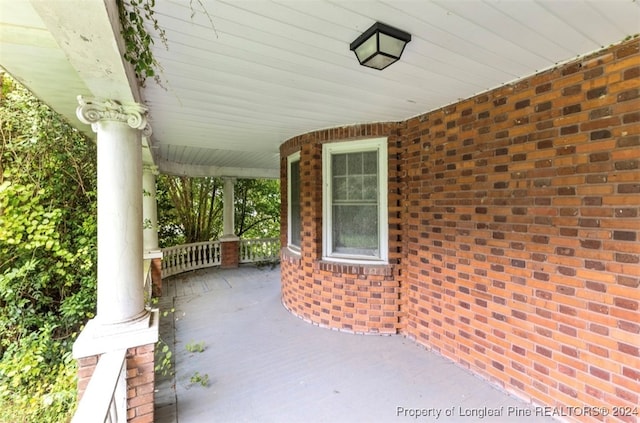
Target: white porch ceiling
column 243, row 76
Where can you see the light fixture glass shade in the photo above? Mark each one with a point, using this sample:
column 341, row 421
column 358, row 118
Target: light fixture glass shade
column 380, row 46
column 367, row 49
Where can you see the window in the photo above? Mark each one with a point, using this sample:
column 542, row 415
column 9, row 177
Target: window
column 355, row 200
column 294, row 213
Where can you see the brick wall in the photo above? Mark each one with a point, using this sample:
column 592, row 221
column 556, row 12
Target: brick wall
column 353, row 298
column 525, row 204
column 514, row 232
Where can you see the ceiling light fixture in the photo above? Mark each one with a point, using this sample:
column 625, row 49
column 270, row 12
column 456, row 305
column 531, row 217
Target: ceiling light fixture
column 380, row 46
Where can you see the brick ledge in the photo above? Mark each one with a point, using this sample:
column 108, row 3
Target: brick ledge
column 356, row 268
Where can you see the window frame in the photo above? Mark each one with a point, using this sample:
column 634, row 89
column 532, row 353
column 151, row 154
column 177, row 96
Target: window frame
column 360, row 146
column 293, row 158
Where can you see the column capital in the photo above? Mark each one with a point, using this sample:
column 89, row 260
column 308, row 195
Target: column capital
column 94, row 110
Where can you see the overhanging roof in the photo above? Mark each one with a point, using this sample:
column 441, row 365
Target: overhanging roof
column 241, row 77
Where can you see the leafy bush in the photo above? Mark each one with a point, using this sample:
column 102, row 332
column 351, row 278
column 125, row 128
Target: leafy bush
column 38, row 379
column 47, row 255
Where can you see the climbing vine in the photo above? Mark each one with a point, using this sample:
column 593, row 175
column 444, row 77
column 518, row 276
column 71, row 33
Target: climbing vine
column 135, row 15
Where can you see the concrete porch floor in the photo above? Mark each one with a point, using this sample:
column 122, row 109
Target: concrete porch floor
column 265, row 365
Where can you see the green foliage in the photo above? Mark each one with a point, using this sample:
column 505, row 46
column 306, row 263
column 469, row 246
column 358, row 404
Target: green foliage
column 135, row 17
column 193, row 347
column 169, row 229
column 190, row 209
column 47, row 254
column 257, row 208
column 38, row 379
column 200, row 379
column 193, row 206
column 164, row 358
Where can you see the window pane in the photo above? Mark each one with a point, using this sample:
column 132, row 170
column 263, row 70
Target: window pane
column 295, row 219
column 370, row 159
column 370, row 188
column 354, row 184
column 339, row 188
column 339, row 164
column 354, row 204
column 355, row 229
column 354, row 161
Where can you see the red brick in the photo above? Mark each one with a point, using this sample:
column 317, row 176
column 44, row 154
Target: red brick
column 147, row 418
column 513, row 233
column 145, row 410
column 140, row 400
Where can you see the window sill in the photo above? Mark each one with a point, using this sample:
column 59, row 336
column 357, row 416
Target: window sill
column 294, row 250
column 356, row 268
column 290, row 255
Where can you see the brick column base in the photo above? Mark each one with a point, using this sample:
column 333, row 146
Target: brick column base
column 229, row 253
column 156, row 277
column 86, row 366
column 140, row 381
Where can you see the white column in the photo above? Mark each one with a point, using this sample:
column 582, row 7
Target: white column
column 120, row 267
column 149, row 208
column 228, row 217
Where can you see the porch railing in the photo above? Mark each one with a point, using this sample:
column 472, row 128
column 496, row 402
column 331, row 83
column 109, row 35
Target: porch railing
column 105, row 399
column 186, row 257
column 259, row 250
column 183, row 258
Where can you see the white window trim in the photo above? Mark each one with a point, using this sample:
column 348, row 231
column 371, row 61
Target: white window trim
column 379, row 144
column 295, row 157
